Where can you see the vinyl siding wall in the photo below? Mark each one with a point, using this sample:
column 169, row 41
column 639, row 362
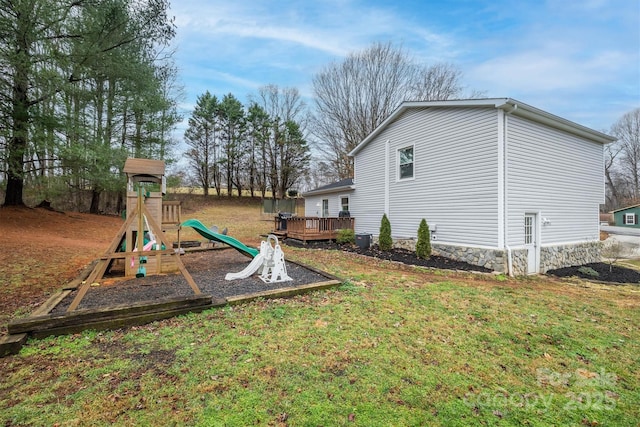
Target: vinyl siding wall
column 557, row 174
column 311, row 207
column 367, row 201
column 455, row 183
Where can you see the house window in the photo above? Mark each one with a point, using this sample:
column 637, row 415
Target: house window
column 528, row 229
column 629, row 219
column 405, row 163
column 344, row 203
column 325, row 208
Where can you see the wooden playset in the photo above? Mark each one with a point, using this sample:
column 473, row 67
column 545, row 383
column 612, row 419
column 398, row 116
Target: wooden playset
column 141, row 242
column 148, row 216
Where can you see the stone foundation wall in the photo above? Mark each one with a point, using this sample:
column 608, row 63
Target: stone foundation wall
column 569, row 255
column 494, row 259
column 519, row 261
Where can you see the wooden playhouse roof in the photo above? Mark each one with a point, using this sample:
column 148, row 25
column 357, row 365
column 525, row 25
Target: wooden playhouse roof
column 144, row 167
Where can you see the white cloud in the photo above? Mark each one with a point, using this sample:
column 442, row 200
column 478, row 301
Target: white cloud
column 586, row 52
column 307, row 37
column 545, row 71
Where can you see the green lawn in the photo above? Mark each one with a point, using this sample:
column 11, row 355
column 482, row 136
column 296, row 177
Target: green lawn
column 394, row 345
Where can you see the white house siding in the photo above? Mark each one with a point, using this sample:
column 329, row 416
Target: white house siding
column 455, row 183
column 367, row 201
column 310, row 206
column 557, row 174
column 313, row 204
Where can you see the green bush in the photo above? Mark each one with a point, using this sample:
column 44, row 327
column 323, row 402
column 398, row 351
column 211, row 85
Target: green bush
column 346, row 235
column 384, row 241
column 588, row 271
column 423, row 246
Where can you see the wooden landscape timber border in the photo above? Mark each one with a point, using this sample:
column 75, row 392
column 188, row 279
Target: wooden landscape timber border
column 41, row 323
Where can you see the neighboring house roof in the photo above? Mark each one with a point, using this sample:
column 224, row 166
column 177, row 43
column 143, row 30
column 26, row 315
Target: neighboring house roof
column 336, row 187
column 624, row 209
column 509, row 105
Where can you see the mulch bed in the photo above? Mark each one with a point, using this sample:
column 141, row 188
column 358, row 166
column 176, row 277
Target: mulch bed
column 616, row 275
column 208, row 269
column 613, row 274
column 400, row 255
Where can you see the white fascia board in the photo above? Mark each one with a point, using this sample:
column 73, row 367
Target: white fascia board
column 521, row 109
column 329, row 191
column 510, row 105
column 487, row 102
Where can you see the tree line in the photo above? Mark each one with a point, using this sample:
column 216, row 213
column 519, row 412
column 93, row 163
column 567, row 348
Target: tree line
column 87, row 83
column 259, row 148
column 84, row 84
column 267, row 146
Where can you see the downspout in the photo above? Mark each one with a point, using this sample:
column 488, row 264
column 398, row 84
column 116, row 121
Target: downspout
column 387, row 168
column 506, row 176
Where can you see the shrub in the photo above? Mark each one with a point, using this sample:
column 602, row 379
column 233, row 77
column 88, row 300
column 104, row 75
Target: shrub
column 346, row 235
column 588, row 271
column 384, row 241
column 423, row 246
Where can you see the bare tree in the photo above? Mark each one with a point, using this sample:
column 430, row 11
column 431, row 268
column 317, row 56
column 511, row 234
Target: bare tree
column 356, row 95
column 286, row 153
column 437, row 82
column 627, row 130
column 283, row 103
column 612, row 251
column 612, row 176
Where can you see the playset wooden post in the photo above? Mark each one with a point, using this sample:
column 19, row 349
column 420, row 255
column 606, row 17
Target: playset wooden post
column 144, row 210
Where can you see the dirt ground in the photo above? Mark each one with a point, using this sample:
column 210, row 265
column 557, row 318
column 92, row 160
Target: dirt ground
column 41, row 249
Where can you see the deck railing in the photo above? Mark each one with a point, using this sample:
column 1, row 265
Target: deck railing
column 313, row 228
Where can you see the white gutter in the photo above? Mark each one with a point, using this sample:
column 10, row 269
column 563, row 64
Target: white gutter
column 541, row 116
column 329, row 191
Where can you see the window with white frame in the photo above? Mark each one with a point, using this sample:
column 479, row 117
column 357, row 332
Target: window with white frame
column 405, row 163
column 528, row 229
column 344, row 203
column 325, row 208
column 629, row 218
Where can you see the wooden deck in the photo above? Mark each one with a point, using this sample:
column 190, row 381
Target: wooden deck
column 313, row 228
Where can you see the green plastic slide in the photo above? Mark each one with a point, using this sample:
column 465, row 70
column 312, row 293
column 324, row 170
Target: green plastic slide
column 205, row 232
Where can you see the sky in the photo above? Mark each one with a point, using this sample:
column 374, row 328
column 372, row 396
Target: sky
column 578, row 59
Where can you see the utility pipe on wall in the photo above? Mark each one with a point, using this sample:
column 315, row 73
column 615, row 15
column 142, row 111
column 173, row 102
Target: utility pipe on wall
column 514, row 106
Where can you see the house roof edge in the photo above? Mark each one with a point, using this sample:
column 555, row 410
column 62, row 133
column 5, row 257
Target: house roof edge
column 509, row 105
column 336, row 187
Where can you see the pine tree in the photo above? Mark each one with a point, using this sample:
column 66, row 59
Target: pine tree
column 423, row 246
column 384, row 241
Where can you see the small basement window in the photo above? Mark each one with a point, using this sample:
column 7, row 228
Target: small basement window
column 630, row 219
column 405, row 163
